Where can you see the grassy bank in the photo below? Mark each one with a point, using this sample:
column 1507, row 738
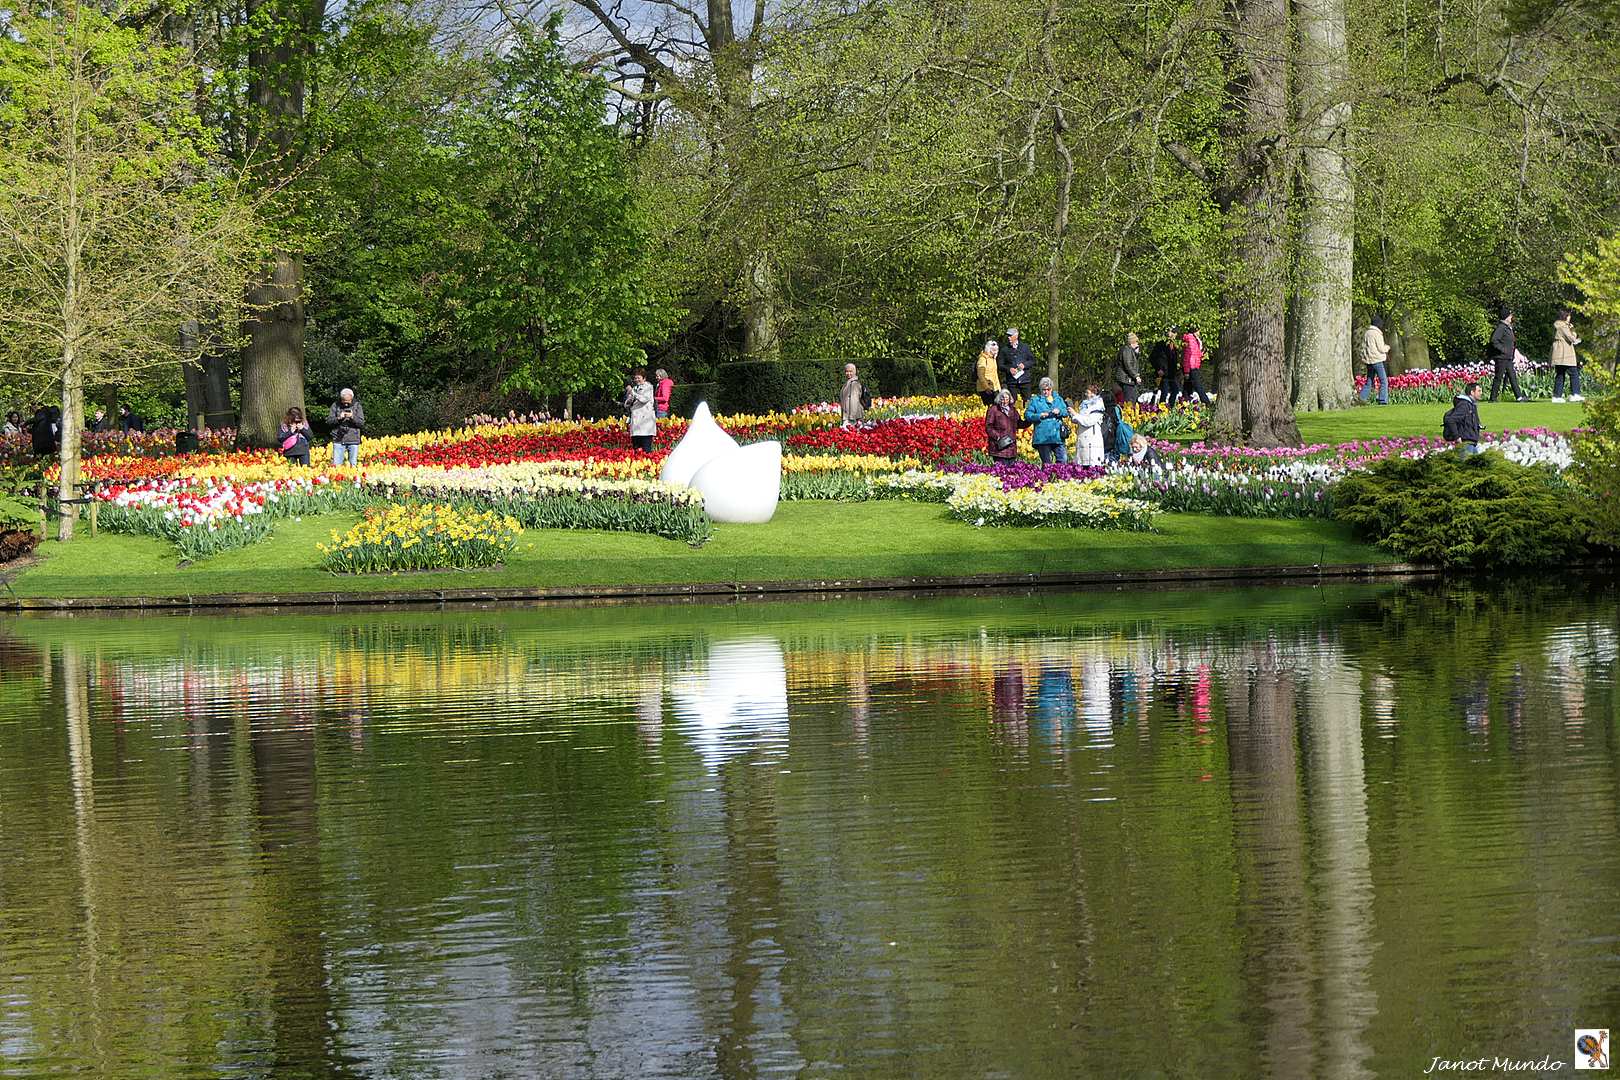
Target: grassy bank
column 1372, row 421
column 808, row 540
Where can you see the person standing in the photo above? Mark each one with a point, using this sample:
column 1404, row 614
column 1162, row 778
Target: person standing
column 987, row 378
column 1089, row 449
column 1128, row 369
column 42, row 431
column 98, row 422
column 1018, row 382
column 853, row 400
column 638, row 399
column 1375, row 357
column 14, row 425
column 1461, row 422
column 1166, row 369
column 1047, row 411
column 663, row 390
column 1001, row 428
column 347, row 419
column 1192, row 361
column 293, row 437
column 129, row 420
column 1017, row 351
column 1564, row 361
column 1503, row 349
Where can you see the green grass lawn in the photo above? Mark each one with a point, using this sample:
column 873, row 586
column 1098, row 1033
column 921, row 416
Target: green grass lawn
column 1372, row 421
column 806, row 540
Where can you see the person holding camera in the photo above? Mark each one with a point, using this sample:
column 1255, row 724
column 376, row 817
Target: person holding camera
column 1047, row 411
column 638, row 402
column 346, row 419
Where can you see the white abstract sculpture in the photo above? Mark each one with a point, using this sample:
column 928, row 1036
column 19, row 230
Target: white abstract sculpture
column 703, row 440
column 740, row 485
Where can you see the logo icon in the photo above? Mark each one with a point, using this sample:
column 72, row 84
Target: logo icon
column 1591, row 1048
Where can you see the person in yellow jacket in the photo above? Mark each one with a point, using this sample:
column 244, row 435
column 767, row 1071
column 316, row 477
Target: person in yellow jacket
column 989, row 380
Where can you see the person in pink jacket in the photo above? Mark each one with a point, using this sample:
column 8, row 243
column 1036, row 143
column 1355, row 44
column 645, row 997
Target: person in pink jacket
column 663, row 387
column 1192, row 360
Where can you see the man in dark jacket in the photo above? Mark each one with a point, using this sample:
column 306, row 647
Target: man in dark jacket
column 1462, row 422
column 129, row 420
column 1166, row 369
column 42, row 431
column 346, row 419
column 1011, row 353
column 1128, row 369
column 1503, row 349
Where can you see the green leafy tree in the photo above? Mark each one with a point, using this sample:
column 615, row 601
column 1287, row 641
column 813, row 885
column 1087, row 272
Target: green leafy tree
column 555, row 283
column 117, row 217
column 1596, row 273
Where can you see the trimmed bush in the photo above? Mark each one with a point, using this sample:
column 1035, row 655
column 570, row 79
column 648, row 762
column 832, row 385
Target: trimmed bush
column 758, row 386
column 1480, row 512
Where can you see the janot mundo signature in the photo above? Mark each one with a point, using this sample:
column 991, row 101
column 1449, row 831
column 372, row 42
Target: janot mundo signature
column 1494, row 1065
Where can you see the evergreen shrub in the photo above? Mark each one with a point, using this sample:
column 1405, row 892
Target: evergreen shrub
column 1481, row 512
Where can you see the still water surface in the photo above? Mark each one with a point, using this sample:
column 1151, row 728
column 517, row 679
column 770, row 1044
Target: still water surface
column 1289, row 832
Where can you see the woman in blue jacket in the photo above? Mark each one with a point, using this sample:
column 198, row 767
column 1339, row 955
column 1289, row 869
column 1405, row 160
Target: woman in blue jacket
column 1047, row 411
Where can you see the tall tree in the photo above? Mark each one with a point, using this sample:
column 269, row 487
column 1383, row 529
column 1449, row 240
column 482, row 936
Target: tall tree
column 281, row 35
column 117, row 214
column 1319, row 347
column 1254, row 399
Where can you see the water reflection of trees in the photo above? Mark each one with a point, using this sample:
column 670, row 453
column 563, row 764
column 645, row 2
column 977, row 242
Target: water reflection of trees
column 983, row 842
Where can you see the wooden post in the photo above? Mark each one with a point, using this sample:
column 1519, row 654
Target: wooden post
column 95, row 505
column 43, row 521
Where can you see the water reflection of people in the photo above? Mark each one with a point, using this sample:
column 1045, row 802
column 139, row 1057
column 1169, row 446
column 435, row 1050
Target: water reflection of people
column 1054, row 700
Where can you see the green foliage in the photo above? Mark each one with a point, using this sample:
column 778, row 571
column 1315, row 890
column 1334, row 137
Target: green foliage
column 1481, row 512
column 554, row 277
column 757, row 386
column 15, row 513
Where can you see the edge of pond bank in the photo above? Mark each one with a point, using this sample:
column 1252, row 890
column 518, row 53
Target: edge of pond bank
column 727, row 590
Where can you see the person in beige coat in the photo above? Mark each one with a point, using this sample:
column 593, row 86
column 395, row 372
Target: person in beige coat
column 1564, row 360
column 988, row 379
column 1375, row 355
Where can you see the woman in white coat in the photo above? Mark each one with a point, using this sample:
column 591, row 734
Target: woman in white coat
column 638, row 399
column 1090, row 421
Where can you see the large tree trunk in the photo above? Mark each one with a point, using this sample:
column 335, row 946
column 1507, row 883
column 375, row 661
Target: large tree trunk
column 1320, row 349
column 273, row 358
column 762, row 334
column 1065, row 187
column 1256, row 296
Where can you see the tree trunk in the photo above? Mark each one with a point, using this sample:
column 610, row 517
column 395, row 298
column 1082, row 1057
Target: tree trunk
column 762, row 337
column 1252, row 344
column 1323, row 336
column 71, row 433
column 273, row 358
column 1065, row 188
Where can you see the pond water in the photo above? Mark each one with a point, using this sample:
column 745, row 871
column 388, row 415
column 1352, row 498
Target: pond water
column 1300, row 832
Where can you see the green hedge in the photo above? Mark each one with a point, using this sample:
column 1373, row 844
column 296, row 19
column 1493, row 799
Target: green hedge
column 763, row 385
column 757, row 386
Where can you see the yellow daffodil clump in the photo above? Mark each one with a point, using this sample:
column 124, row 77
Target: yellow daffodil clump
column 421, row 536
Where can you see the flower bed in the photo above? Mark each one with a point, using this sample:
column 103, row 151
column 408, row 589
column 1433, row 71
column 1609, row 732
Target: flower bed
column 541, row 499
column 1294, row 490
column 203, row 517
column 1075, row 504
column 421, row 536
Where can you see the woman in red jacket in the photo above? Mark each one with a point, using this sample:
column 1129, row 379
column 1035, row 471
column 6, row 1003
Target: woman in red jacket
column 663, row 387
column 1001, row 428
column 1192, row 359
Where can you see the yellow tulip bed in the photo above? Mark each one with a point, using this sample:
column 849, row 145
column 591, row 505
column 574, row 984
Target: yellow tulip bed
column 421, row 536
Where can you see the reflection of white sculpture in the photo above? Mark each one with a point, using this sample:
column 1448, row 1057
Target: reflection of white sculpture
column 739, row 485
column 737, row 702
